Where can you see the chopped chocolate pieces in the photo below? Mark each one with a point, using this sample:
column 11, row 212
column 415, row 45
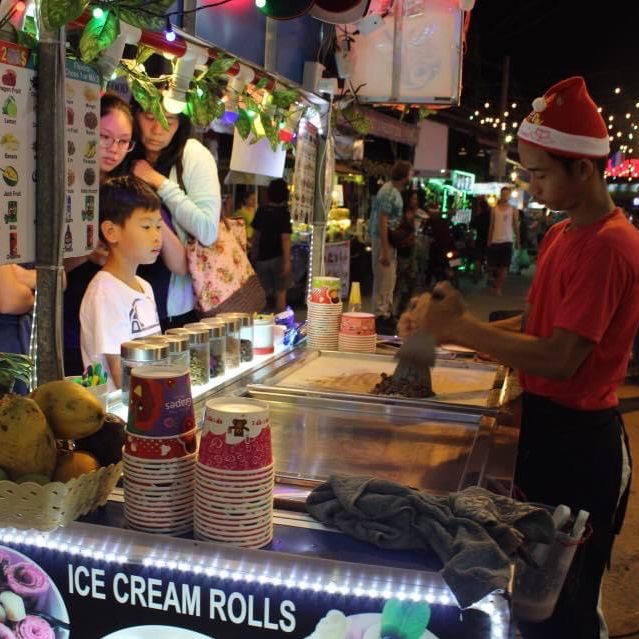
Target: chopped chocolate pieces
column 388, row 385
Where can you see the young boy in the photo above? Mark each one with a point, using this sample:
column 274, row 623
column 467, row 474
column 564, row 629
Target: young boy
column 271, row 246
column 119, row 306
column 572, row 347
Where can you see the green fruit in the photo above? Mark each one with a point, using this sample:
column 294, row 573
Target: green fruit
column 36, row 479
column 9, row 107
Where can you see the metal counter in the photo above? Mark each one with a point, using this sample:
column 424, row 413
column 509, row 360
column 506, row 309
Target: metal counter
column 440, row 444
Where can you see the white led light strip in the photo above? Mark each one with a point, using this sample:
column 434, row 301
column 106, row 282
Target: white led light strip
column 496, row 608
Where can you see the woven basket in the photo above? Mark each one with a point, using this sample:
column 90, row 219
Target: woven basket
column 55, row 504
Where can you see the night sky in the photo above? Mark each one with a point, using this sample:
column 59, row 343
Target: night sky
column 549, row 40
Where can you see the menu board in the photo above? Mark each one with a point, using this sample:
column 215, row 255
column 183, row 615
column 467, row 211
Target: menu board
column 303, row 196
column 83, row 171
column 17, row 154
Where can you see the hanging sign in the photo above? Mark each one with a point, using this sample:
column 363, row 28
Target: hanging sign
column 303, row 193
column 17, row 154
column 81, row 212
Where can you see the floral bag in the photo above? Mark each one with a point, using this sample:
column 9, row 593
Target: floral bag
column 222, row 275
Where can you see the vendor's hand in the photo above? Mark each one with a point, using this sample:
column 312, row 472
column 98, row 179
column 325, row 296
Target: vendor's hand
column 441, row 316
column 409, row 320
column 384, row 259
column 143, row 170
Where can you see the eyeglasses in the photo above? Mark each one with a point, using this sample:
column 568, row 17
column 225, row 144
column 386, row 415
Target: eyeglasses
column 123, row 144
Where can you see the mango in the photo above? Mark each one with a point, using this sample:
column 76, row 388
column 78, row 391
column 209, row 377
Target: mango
column 27, row 445
column 73, row 464
column 72, row 411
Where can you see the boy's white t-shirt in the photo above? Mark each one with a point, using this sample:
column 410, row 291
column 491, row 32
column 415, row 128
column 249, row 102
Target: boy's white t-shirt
column 111, row 313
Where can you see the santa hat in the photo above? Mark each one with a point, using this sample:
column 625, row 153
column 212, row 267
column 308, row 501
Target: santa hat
column 565, row 121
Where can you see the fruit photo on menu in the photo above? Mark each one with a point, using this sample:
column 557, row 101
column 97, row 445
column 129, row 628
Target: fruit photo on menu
column 31, row 603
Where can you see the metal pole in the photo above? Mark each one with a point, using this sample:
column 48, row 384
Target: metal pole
column 503, row 107
column 50, row 191
column 270, row 45
column 189, row 19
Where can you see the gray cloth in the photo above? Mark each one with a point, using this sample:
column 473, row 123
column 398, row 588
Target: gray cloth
column 474, row 533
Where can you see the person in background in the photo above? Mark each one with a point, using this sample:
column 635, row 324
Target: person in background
column 117, row 140
column 184, row 175
column 387, row 211
column 404, row 241
column 248, row 206
column 438, row 228
column 502, row 235
column 571, row 346
column 17, row 295
column 118, row 305
column 480, row 222
column 271, row 248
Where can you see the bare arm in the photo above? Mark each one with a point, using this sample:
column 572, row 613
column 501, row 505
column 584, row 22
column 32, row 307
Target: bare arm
column 25, row 276
column 173, row 251
column 286, row 253
column 15, row 297
column 556, row 357
column 115, row 370
column 490, row 228
column 510, row 324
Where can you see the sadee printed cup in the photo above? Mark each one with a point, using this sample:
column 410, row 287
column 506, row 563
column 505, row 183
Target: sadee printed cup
column 160, row 402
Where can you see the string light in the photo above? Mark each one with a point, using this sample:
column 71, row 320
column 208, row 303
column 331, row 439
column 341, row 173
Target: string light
column 98, row 13
column 169, row 34
column 617, row 90
column 514, row 105
column 486, row 105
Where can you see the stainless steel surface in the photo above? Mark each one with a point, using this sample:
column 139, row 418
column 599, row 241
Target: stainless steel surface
column 459, row 384
column 430, row 445
column 314, row 438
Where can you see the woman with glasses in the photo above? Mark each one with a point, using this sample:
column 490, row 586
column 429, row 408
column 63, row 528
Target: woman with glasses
column 117, row 140
column 184, row 174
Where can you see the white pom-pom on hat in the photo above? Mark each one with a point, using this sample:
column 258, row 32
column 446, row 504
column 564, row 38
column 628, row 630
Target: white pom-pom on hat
column 539, row 104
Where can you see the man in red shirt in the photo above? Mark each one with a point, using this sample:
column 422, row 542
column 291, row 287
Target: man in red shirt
column 572, row 345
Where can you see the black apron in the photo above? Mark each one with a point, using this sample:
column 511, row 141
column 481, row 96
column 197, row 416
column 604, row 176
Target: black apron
column 574, row 457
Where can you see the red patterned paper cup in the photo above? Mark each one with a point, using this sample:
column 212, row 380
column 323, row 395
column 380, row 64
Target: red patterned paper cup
column 163, row 448
column 160, row 402
column 358, row 324
column 236, row 435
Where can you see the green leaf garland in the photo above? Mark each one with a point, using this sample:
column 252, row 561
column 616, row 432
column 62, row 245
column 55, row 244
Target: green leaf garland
column 57, row 13
column 98, row 34
column 146, row 15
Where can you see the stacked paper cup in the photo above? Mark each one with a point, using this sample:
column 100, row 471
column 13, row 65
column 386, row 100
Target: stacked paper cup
column 357, row 333
column 160, row 451
column 324, row 312
column 234, row 477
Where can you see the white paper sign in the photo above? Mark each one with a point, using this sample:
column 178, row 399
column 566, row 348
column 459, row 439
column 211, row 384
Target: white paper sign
column 257, row 158
column 17, row 155
column 81, row 211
